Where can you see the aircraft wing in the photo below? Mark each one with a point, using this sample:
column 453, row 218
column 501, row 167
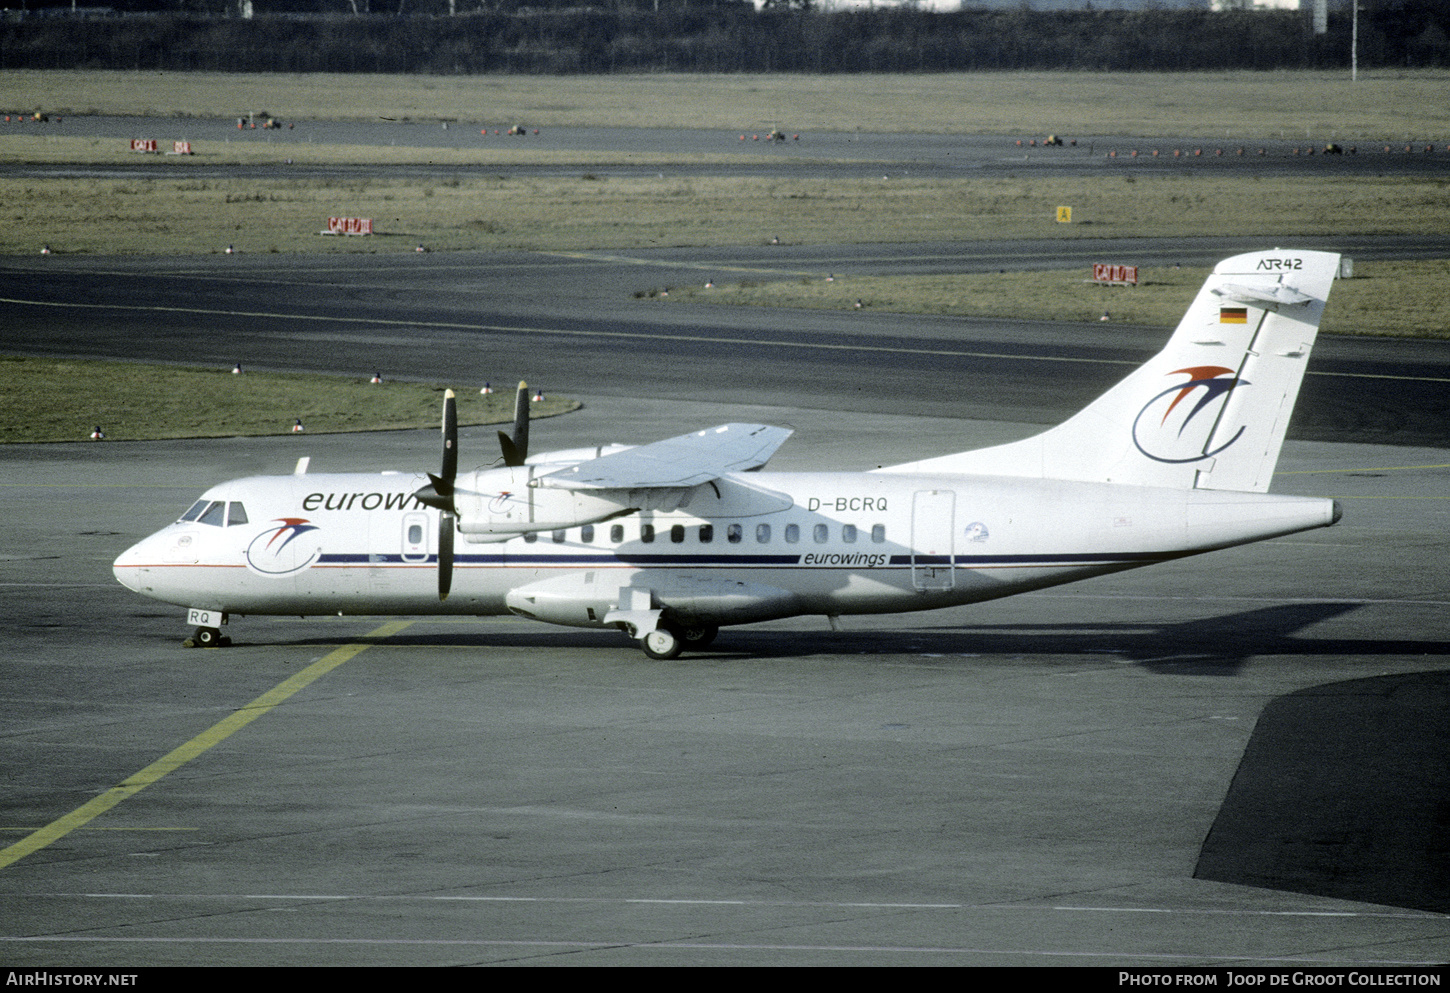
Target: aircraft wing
column 688, row 460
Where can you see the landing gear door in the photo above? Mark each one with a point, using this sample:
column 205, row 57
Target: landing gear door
column 415, row 537
column 932, row 527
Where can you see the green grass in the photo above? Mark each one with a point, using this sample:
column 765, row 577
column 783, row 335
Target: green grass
column 1383, row 104
column 584, row 212
column 1405, row 298
column 63, row 400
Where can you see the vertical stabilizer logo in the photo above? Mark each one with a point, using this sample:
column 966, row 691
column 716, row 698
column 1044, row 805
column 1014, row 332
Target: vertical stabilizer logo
column 290, row 545
column 1177, row 425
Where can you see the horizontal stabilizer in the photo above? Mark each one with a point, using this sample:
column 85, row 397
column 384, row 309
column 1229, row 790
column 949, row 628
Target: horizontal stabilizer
column 683, row 461
column 1272, row 294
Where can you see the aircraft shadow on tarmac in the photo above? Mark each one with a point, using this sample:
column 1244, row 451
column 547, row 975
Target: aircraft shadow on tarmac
column 1219, row 645
column 1344, row 792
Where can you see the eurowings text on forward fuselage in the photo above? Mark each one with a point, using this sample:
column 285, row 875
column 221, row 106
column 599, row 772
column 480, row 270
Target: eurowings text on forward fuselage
column 672, row 540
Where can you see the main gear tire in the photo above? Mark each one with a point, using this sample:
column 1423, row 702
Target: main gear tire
column 662, row 643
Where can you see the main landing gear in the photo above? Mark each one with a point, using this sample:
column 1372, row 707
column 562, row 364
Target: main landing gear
column 669, row 639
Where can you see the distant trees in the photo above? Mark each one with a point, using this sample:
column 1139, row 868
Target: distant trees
column 529, row 36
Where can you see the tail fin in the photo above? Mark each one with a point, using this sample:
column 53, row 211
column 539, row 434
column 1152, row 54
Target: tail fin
column 1210, row 410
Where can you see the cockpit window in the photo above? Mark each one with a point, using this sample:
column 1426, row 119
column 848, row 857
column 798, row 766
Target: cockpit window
column 194, row 512
column 236, row 514
column 213, row 514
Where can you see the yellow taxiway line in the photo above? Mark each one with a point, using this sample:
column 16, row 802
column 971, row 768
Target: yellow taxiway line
column 178, row 757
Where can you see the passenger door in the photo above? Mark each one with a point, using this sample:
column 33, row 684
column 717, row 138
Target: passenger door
column 932, row 528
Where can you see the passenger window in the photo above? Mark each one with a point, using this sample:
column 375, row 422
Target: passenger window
column 415, row 538
column 194, row 512
column 848, row 533
column 733, row 534
column 236, row 514
column 616, row 533
column 762, row 534
column 213, row 515
column 792, row 533
column 707, row 533
column 646, row 533
column 677, row 533
column 878, row 533
column 821, row 534
column 586, row 533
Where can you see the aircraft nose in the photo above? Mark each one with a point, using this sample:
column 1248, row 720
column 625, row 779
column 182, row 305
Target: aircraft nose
column 125, row 569
column 133, row 563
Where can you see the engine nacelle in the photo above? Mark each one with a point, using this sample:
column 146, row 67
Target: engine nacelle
column 497, row 504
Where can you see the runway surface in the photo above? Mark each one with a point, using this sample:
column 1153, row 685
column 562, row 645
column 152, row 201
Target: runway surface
column 1237, row 759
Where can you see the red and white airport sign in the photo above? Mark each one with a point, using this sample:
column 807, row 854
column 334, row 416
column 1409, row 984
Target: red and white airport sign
column 1125, row 275
column 349, row 225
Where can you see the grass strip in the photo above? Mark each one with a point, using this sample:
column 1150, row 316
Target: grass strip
column 64, row 400
column 588, row 211
column 1388, row 104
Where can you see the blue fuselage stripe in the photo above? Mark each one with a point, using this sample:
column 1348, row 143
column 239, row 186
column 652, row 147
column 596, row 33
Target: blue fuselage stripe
column 577, row 559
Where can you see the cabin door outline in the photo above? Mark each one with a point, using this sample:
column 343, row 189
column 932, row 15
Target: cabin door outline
column 933, row 526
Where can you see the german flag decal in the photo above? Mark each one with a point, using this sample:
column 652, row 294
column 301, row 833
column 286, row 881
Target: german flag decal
column 1233, row 315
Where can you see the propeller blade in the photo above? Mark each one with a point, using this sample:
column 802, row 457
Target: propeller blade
column 511, row 454
column 438, row 494
column 516, row 449
column 450, row 438
column 445, row 554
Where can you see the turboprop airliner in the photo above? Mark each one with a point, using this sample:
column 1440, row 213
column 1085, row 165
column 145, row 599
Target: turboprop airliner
column 670, row 541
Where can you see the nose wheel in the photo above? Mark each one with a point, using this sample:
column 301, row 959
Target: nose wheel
column 207, row 638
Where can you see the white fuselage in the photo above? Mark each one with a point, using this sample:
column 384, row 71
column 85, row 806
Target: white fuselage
column 747, row 547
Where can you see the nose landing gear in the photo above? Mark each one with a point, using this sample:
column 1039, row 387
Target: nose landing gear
column 208, row 633
column 207, row 638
